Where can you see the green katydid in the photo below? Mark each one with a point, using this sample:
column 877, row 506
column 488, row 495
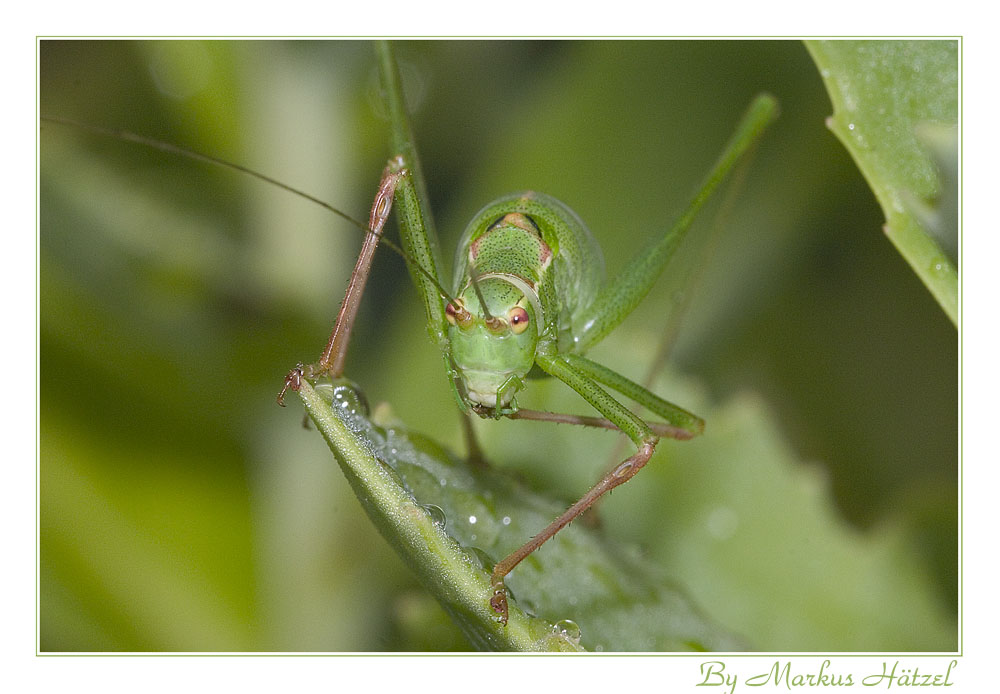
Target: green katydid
column 528, row 275
column 528, row 294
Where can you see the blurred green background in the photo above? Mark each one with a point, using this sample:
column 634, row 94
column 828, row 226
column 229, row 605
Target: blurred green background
column 181, row 509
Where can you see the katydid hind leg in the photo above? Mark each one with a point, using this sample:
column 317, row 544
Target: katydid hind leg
column 621, row 296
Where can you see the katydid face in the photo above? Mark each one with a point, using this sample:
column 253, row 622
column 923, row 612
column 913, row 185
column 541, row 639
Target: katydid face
column 493, row 349
column 496, row 321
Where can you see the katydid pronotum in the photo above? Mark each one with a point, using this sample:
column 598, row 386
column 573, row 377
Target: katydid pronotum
column 528, row 294
column 546, row 294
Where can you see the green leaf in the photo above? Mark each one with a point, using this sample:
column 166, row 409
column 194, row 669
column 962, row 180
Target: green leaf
column 754, row 532
column 451, row 523
column 745, row 526
column 738, row 537
column 894, row 103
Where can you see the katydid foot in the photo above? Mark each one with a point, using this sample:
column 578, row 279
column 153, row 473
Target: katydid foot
column 619, row 475
column 293, row 381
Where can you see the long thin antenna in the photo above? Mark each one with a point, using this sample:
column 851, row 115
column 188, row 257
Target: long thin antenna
column 209, row 159
column 474, row 278
column 198, row 156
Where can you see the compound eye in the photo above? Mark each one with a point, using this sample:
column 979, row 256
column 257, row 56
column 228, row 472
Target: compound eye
column 450, row 312
column 518, row 319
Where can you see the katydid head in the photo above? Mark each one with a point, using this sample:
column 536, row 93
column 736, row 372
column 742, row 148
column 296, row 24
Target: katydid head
column 493, row 334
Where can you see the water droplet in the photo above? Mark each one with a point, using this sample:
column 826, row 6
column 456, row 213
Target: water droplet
column 437, row 515
column 325, row 391
column 506, row 520
column 568, row 629
column 850, row 126
column 472, row 520
column 347, row 397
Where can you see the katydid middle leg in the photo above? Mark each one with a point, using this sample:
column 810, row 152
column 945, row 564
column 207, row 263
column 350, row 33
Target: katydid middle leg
column 586, row 378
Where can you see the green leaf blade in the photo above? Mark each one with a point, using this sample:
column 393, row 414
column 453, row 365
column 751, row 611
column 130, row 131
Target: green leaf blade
column 451, row 522
column 883, row 93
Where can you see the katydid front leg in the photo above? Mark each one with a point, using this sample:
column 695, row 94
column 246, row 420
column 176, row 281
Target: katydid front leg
column 331, row 361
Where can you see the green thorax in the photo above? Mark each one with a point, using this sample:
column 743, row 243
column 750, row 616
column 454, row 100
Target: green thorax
column 544, row 243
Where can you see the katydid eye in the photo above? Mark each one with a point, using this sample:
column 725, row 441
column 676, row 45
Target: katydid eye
column 518, row 319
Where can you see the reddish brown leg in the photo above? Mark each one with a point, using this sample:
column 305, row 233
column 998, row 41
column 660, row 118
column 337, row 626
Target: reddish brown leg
column 661, row 429
column 621, row 474
column 331, row 362
column 477, row 459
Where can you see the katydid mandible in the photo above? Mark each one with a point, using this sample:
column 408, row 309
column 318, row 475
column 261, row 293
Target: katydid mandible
column 529, row 292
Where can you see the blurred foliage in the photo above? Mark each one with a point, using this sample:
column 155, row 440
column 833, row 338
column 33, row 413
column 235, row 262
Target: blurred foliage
column 175, row 521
